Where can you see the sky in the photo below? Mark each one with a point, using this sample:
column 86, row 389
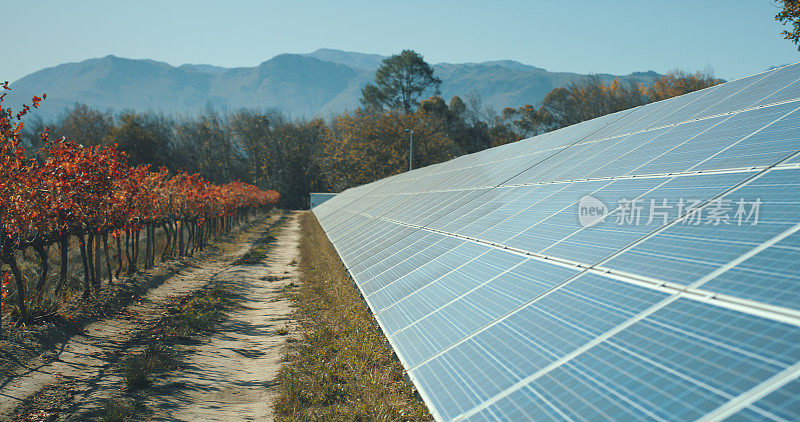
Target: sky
column 733, row 38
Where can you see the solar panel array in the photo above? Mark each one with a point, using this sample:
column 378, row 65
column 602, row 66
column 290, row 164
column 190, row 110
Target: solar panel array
column 501, row 305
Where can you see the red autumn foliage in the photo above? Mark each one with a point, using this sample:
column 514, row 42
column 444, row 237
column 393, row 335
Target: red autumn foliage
column 91, row 190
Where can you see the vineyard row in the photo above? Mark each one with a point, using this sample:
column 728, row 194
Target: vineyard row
column 67, row 190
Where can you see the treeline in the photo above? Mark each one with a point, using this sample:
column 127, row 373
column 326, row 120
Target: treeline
column 296, row 157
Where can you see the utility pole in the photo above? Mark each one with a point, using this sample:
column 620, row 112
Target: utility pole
column 410, row 149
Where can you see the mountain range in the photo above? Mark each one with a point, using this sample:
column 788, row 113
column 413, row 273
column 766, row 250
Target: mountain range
column 321, row 83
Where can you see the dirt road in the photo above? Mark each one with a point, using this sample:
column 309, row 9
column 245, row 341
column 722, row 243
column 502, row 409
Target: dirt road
column 224, row 377
column 231, row 375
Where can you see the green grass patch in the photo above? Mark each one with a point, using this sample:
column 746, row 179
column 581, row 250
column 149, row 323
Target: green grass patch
column 139, row 368
column 260, row 249
column 117, row 411
column 341, row 369
column 193, row 314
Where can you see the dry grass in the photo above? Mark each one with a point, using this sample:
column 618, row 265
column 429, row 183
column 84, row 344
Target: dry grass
column 139, row 368
column 190, row 316
column 260, row 249
column 342, row 368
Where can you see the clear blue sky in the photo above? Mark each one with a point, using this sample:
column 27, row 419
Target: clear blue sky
column 734, row 38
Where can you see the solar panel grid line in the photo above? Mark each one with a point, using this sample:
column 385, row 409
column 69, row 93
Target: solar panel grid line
column 721, row 87
column 452, row 270
column 460, row 297
column 429, row 252
column 422, row 393
column 352, row 228
column 611, row 213
column 609, row 146
column 572, row 205
column 790, row 94
column 620, row 177
column 751, row 303
column 480, row 186
column 721, row 122
column 750, row 307
column 716, row 343
column 697, row 94
column 515, row 411
column 659, row 366
column 754, row 106
column 777, row 313
column 552, row 406
column 633, row 403
column 629, row 276
column 709, row 117
column 384, row 208
column 599, row 178
column 709, row 143
column 648, row 110
column 619, row 328
column 666, row 103
column 341, row 208
column 657, row 175
column 731, row 242
column 496, row 321
column 357, row 286
column 749, row 397
column 592, row 405
column 484, row 163
column 535, row 204
column 774, row 83
column 364, row 249
column 409, row 257
column 347, row 225
column 706, row 203
column 417, row 238
column 566, row 358
column 746, row 137
column 369, row 188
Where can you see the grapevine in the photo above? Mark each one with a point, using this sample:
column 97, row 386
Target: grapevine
column 90, row 192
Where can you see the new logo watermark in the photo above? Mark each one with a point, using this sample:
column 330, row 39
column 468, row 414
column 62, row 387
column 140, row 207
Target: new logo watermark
column 591, row 211
column 651, row 211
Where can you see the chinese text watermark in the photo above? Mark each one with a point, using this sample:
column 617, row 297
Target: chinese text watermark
column 692, row 212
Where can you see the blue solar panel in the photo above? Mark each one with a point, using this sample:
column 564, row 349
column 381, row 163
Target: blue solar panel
column 720, row 97
column 430, row 253
column 504, row 301
column 653, row 147
column 687, row 251
column 657, row 202
column 770, row 145
column 776, row 87
column 772, row 276
column 689, row 155
column 528, row 340
column 683, row 361
column 780, row 404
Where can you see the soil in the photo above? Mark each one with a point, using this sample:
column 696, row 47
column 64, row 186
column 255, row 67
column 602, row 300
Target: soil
column 226, row 375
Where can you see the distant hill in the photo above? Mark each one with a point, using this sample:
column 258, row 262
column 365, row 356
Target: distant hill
column 321, row 83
